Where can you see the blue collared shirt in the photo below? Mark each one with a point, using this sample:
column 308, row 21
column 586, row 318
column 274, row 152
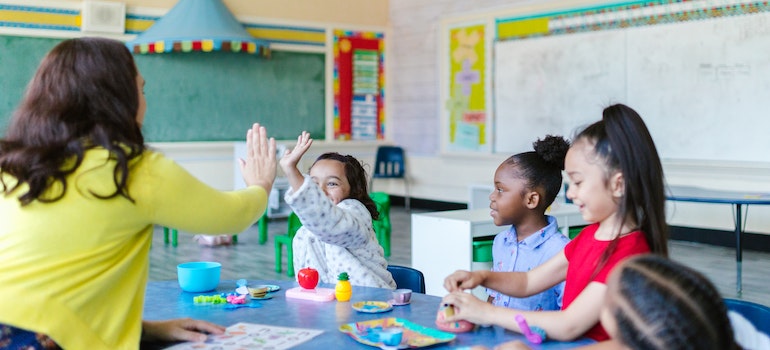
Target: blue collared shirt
column 508, row 254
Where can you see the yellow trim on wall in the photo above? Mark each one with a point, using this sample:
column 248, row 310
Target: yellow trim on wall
column 138, row 25
column 522, row 28
column 40, row 18
column 287, row 34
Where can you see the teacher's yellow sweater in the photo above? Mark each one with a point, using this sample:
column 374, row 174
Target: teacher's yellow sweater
column 76, row 269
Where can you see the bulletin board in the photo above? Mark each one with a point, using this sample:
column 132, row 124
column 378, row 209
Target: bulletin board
column 359, row 85
column 466, row 114
column 698, row 72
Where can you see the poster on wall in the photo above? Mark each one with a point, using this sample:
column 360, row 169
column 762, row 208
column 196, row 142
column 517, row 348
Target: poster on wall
column 359, row 85
column 468, row 119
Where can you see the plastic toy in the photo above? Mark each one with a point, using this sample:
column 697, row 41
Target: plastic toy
column 447, row 310
column 343, row 290
column 307, row 278
column 535, row 335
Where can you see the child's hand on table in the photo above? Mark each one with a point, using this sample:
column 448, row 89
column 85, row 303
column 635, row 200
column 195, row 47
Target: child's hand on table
column 468, row 307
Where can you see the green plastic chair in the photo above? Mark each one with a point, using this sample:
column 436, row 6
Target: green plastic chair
column 382, row 226
column 262, row 227
column 294, row 225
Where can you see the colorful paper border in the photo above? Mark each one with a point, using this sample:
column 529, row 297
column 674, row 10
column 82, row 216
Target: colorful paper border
column 342, row 122
column 622, row 15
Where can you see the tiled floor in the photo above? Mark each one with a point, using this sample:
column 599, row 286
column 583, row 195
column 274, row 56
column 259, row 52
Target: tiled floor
column 248, row 259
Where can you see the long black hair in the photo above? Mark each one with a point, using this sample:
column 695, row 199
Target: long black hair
column 623, row 143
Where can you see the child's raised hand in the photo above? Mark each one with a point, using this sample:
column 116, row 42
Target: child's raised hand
column 292, row 156
column 461, row 280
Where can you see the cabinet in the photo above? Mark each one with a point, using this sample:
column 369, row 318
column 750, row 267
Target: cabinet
column 442, row 242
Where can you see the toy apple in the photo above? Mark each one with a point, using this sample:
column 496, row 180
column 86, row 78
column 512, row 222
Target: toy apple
column 307, row 278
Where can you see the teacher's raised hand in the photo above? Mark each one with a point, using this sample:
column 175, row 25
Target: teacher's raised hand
column 259, row 166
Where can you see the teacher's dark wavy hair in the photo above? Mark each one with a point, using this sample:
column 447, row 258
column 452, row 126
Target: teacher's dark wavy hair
column 83, row 95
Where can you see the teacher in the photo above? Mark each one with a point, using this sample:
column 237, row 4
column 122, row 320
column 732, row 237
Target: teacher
column 80, row 195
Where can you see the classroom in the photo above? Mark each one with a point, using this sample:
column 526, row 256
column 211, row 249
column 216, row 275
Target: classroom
column 449, row 77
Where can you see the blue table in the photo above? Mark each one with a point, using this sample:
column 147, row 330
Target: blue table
column 165, row 300
column 734, row 198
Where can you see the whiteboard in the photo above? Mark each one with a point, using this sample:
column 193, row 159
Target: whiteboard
column 702, row 87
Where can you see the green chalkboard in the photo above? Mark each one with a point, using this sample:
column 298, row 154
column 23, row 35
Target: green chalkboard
column 201, row 96
column 19, row 58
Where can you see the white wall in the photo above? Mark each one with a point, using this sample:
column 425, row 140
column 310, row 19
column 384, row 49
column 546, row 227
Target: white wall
column 413, row 122
column 413, row 115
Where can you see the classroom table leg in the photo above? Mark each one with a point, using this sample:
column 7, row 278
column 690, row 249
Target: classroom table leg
column 738, row 249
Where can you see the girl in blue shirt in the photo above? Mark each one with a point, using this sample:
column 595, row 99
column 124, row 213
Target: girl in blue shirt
column 525, row 186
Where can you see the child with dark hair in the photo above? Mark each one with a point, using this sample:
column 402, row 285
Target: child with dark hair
column 526, row 184
column 656, row 303
column 336, row 214
column 81, row 193
column 616, row 179
column 653, row 303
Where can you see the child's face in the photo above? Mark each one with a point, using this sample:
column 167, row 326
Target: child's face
column 329, row 174
column 508, row 200
column 589, row 188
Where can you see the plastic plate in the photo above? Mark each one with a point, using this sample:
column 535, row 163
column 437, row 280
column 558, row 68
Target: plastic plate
column 415, row 335
column 372, row 307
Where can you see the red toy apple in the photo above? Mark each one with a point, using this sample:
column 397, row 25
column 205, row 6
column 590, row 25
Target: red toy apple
column 307, row 278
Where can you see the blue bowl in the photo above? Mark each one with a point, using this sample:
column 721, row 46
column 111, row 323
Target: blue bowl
column 199, row 276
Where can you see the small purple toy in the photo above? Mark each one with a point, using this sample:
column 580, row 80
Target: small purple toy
column 535, row 335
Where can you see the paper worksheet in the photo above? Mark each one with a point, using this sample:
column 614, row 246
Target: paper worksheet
column 253, row 336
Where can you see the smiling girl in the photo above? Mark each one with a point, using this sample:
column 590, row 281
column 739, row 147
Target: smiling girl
column 336, row 214
column 616, row 179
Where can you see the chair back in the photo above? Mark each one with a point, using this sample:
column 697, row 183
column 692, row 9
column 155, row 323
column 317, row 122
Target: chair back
column 407, row 277
column 757, row 314
column 294, row 225
column 389, row 162
column 382, row 201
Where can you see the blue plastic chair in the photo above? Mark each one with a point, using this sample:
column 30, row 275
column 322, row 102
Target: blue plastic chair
column 390, row 164
column 757, row 314
column 407, row 277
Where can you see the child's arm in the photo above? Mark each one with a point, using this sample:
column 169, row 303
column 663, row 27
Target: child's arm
column 291, row 158
column 515, row 284
column 564, row 325
column 604, row 345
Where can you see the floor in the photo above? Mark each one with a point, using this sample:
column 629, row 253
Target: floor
column 248, row 259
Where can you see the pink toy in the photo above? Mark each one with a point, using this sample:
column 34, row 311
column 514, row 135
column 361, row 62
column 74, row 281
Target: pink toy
column 446, row 310
column 533, row 337
column 236, row 299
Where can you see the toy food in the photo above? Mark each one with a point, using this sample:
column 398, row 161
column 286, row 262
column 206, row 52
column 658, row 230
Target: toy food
column 446, row 310
column 307, row 278
column 343, row 290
